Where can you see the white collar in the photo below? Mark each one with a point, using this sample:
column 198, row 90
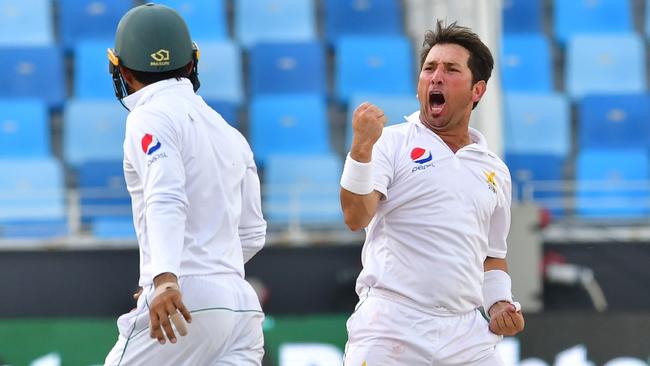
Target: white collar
column 144, row 95
column 474, row 134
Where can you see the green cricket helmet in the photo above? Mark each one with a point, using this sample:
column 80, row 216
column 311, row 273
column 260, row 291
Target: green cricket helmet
column 151, row 38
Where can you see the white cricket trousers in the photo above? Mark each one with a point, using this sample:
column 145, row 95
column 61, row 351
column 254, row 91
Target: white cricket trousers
column 385, row 330
column 226, row 328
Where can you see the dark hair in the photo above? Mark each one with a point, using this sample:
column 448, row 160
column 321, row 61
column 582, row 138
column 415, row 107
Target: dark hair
column 480, row 60
column 147, row 78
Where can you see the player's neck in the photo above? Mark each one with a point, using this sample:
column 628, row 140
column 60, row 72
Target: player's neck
column 456, row 138
column 456, row 141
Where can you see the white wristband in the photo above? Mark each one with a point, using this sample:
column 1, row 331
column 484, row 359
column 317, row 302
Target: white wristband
column 357, row 177
column 496, row 287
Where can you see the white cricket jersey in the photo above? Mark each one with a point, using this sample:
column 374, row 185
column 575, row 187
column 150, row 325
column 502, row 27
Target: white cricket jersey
column 193, row 183
column 442, row 215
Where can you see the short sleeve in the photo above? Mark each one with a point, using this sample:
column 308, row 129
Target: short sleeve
column 500, row 219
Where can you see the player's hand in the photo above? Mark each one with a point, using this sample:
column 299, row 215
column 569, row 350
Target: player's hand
column 505, row 319
column 368, row 122
column 136, row 295
column 164, row 306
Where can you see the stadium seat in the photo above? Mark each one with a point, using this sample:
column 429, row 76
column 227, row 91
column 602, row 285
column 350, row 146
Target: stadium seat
column 538, row 177
column 362, row 18
column 93, row 130
column 287, row 68
column 612, row 184
column 302, row 189
column 33, row 72
column 294, row 124
column 274, row 20
column 111, row 228
column 89, row 19
column 537, row 124
column 32, row 198
column 526, row 63
column 395, row 107
column 91, row 77
column 26, row 23
column 373, row 65
column 206, row 19
column 614, row 121
column 102, row 190
column 522, row 16
column 220, row 72
column 24, row 129
column 605, row 64
column 573, row 17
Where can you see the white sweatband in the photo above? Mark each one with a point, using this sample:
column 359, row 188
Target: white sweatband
column 496, row 287
column 164, row 287
column 357, row 177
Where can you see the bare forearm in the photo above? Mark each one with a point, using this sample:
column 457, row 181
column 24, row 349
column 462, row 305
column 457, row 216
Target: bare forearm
column 358, row 210
column 164, row 278
column 491, row 263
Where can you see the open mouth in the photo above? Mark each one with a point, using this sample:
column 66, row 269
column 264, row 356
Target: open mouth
column 436, row 101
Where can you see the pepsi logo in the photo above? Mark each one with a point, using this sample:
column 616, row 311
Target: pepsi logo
column 420, row 155
column 150, row 144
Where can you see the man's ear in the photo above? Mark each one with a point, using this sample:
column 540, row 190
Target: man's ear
column 478, row 90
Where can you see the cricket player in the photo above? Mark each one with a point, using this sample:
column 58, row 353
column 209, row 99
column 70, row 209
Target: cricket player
column 196, row 206
column 436, row 204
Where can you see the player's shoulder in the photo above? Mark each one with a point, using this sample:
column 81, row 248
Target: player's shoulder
column 499, row 166
column 160, row 113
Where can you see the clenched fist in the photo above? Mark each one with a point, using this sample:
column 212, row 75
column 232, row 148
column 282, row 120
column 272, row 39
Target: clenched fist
column 505, row 319
column 368, row 122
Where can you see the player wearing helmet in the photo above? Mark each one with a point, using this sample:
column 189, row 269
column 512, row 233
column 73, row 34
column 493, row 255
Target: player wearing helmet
column 196, row 205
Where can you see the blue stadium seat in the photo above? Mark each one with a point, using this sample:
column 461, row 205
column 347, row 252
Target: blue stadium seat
column 93, row 130
column 274, row 20
column 373, row 65
column 605, row 64
column 573, row 17
column 89, row 19
column 614, row 121
column 206, row 19
column 362, row 18
column 220, row 72
column 295, row 124
column 287, row 67
column 537, row 124
column 302, row 189
column 538, row 177
column 24, row 129
column 395, row 107
column 32, row 198
column 26, row 23
column 612, row 183
column 102, row 190
column 522, row 16
column 111, row 228
column 526, row 63
column 33, row 72
column 91, row 77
